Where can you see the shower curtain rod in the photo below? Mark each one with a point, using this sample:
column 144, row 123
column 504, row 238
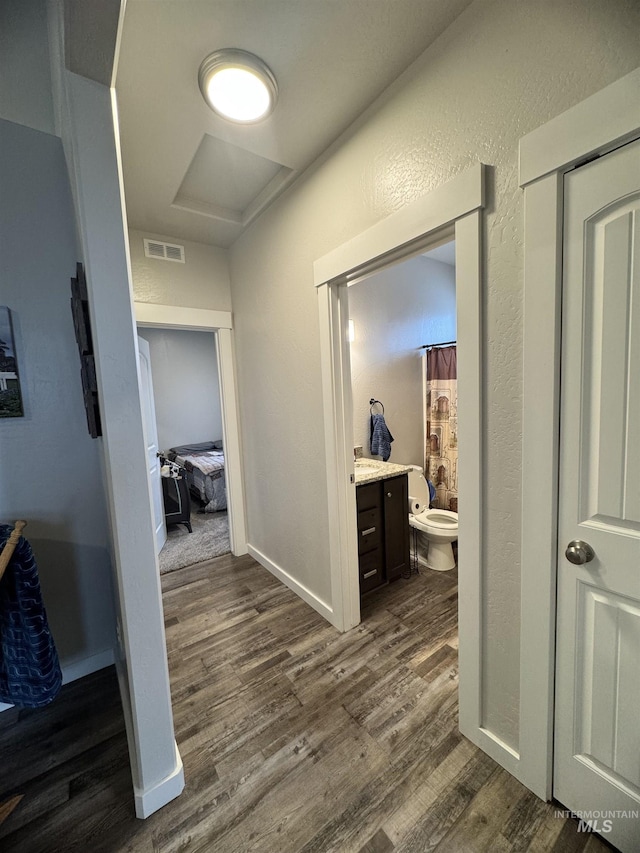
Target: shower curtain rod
column 443, row 344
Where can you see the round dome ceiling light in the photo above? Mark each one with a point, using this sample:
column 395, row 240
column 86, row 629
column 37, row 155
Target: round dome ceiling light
column 238, row 85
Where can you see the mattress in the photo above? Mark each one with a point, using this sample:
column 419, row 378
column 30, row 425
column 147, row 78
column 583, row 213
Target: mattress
column 205, row 472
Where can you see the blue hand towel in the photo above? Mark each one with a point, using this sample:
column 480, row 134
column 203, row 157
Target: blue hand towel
column 381, row 438
column 30, row 674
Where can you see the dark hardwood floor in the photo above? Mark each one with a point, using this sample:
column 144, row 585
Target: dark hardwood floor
column 295, row 738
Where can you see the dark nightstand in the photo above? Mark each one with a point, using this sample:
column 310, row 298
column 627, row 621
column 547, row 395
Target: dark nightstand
column 177, row 502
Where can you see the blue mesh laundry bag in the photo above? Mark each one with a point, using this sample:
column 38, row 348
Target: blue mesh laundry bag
column 30, row 674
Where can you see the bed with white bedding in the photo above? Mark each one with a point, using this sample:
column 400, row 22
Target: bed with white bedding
column 204, row 465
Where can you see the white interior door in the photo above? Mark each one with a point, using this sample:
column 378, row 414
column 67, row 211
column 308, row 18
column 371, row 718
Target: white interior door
column 597, row 718
column 151, row 440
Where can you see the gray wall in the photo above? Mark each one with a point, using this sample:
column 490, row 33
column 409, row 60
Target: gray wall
column 202, row 281
column 185, row 386
column 25, row 78
column 50, row 467
column 502, row 69
column 395, row 312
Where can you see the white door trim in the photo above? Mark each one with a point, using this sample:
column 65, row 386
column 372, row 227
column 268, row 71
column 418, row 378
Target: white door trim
column 177, row 317
column 91, row 146
column 399, row 235
column 452, row 210
column 607, row 119
column 220, row 323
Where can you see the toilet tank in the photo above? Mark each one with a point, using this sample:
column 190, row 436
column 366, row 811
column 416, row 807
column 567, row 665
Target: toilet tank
column 418, row 488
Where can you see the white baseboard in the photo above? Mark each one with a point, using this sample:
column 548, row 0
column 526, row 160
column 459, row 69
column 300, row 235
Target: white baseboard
column 300, row 589
column 154, row 798
column 78, row 669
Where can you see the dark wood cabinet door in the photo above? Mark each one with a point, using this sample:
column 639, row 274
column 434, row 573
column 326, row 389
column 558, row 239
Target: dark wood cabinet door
column 395, row 505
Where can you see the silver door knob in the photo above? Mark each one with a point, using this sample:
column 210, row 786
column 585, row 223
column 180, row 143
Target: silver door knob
column 579, row 552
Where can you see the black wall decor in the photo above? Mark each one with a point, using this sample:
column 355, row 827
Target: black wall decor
column 82, row 326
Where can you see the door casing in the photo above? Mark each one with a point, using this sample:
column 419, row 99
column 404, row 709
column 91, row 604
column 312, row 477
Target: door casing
column 599, row 124
column 220, row 323
column 452, row 211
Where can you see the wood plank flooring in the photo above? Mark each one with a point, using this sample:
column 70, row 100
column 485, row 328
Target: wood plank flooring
column 295, row 738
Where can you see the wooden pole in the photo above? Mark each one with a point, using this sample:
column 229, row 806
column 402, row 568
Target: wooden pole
column 10, row 545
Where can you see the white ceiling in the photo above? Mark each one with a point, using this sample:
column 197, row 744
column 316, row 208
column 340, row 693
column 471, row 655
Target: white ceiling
column 192, row 175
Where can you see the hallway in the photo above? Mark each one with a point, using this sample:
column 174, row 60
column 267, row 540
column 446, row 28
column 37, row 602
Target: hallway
column 294, row 737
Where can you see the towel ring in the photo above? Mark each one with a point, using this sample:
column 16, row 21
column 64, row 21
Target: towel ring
column 373, row 403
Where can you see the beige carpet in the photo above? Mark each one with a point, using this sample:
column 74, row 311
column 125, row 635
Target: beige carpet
column 210, row 538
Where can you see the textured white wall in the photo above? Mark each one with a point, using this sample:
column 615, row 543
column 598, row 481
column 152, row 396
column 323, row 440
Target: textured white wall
column 502, row 69
column 51, row 473
column 201, row 282
column 185, row 386
column 395, row 312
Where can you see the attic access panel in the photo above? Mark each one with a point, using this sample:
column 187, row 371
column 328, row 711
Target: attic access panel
column 228, row 182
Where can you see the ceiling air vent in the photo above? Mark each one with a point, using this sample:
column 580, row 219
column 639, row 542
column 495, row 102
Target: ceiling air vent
column 164, row 251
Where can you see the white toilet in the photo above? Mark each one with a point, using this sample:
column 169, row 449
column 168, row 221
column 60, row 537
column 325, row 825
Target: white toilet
column 436, row 528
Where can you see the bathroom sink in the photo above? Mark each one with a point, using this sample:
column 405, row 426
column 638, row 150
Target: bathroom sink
column 366, row 469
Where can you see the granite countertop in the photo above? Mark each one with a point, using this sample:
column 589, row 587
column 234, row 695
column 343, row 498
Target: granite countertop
column 382, row 470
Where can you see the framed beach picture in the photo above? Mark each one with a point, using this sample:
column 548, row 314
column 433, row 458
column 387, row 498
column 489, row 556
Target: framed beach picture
column 10, row 396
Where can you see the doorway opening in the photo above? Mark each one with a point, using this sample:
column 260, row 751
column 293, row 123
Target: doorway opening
column 217, row 330
column 452, row 212
column 188, row 418
column 396, row 317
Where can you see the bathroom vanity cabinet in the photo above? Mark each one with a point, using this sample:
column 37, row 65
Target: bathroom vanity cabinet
column 383, row 531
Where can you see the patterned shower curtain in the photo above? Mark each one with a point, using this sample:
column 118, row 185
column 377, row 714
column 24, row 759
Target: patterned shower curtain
column 441, row 451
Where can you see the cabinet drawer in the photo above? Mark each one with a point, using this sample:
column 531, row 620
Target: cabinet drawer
column 371, row 570
column 369, row 518
column 369, row 530
column 368, row 496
